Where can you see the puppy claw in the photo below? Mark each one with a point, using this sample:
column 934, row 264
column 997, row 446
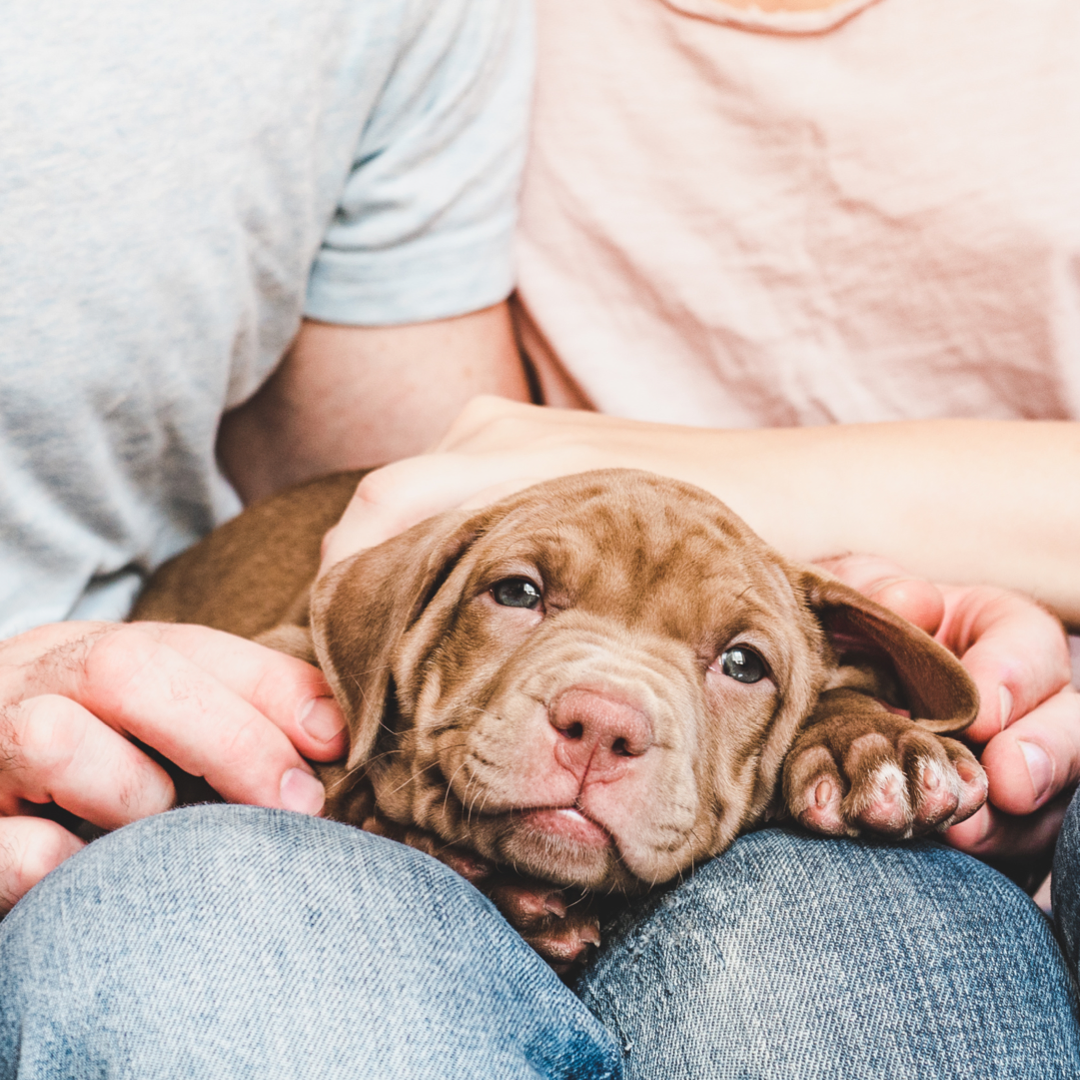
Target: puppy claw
column 937, row 796
column 974, row 788
column 470, row 866
column 880, row 803
column 821, row 812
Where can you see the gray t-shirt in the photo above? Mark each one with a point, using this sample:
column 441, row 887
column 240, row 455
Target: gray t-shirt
column 179, row 182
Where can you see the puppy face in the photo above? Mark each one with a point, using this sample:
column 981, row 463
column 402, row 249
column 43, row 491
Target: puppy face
column 594, row 681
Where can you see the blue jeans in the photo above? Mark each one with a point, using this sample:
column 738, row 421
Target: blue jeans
column 232, row 942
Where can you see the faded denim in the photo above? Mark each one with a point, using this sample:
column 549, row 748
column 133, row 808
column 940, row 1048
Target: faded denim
column 233, row 942
column 790, row 956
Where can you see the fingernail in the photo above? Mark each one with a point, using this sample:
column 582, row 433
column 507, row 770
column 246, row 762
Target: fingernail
column 321, row 719
column 1005, row 706
column 1040, row 767
column 300, row 791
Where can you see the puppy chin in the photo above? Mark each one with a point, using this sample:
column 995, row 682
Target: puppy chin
column 561, row 845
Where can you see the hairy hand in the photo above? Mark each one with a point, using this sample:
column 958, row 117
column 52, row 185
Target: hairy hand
column 76, row 699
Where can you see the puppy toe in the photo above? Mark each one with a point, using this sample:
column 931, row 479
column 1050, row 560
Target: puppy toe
column 566, row 943
column 813, row 791
column 471, row 867
column 936, row 792
column 971, row 778
column 934, row 787
column 528, row 905
column 878, row 800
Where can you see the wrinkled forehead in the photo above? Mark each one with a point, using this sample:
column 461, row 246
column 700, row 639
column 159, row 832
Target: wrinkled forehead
column 651, row 548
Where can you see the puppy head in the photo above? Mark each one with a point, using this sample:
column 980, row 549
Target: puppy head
column 595, row 680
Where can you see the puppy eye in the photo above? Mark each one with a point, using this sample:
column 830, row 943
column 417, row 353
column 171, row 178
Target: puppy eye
column 516, row 592
column 743, row 664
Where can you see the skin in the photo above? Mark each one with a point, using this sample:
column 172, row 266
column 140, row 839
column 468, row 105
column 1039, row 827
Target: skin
column 783, row 5
column 66, row 720
column 1013, row 486
column 353, row 397
column 74, row 695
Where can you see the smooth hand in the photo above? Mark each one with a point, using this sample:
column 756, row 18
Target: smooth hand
column 1028, row 726
column 494, row 448
column 77, row 699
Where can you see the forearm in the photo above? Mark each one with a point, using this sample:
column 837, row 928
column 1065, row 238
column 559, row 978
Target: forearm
column 960, row 501
column 355, row 397
column 994, row 502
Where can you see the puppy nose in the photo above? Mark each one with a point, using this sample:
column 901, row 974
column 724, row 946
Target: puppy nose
column 599, row 733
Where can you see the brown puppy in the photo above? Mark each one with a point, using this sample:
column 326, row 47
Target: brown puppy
column 594, row 684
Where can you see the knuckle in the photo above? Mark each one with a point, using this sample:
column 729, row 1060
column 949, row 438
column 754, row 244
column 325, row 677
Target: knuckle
column 251, row 742
column 384, row 490
column 130, row 658
column 143, row 789
column 60, row 661
column 486, row 420
column 116, row 658
column 42, row 735
column 481, row 410
column 287, row 683
column 27, row 853
column 11, row 722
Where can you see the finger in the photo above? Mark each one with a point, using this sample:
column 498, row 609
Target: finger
column 393, row 499
column 916, row 600
column 29, row 849
column 1037, row 757
column 140, row 686
column 56, row 751
column 993, row 835
column 291, row 693
column 1015, row 651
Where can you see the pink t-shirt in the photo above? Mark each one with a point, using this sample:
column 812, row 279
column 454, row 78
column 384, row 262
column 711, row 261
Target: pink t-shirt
column 866, row 213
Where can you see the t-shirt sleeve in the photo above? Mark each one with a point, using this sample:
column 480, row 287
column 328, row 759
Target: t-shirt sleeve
column 424, row 229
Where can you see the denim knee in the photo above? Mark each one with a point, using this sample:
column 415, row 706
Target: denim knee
column 791, row 956
column 1065, row 884
column 228, row 941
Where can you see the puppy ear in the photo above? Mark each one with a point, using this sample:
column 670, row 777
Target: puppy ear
column 364, row 605
column 937, row 690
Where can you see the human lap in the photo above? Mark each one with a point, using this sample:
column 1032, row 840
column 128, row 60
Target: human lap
column 84, row 705
column 865, row 242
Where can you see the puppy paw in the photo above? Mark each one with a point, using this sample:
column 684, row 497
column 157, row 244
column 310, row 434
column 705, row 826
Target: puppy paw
column 563, row 933
column 870, row 771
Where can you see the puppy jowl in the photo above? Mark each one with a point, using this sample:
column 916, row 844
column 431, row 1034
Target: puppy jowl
column 593, row 685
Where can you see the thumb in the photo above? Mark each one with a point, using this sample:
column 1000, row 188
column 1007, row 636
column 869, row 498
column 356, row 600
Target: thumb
column 886, row 583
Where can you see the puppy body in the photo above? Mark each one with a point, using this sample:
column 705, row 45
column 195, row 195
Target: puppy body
column 596, row 683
